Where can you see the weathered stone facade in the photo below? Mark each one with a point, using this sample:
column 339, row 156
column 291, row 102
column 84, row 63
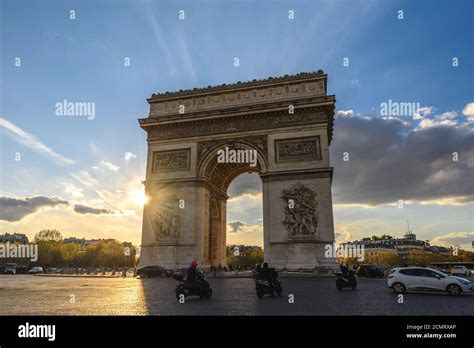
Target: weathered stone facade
column 288, row 121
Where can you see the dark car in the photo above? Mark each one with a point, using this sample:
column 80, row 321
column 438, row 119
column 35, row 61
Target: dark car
column 370, row 271
column 10, row 268
column 153, row 271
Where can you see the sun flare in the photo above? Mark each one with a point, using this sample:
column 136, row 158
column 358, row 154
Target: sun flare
column 139, row 198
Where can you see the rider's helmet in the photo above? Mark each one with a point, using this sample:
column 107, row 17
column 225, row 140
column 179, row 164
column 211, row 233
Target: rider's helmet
column 344, row 267
column 265, row 265
column 194, row 264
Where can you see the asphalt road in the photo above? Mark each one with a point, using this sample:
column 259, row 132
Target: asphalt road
column 37, row 295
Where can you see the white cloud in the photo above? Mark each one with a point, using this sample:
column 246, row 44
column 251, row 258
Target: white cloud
column 427, row 123
column 84, row 178
column 449, row 115
column 462, row 239
column 109, row 166
column 447, row 118
column 127, row 156
column 186, row 58
column 469, row 112
column 34, row 144
column 423, row 112
column 108, row 196
column 342, row 234
column 257, row 196
column 459, row 200
column 242, row 233
column 72, row 190
column 345, row 113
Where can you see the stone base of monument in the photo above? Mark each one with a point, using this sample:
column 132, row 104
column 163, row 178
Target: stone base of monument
column 303, row 254
column 328, row 266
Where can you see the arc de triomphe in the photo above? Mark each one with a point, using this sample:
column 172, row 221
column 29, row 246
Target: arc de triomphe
column 288, row 121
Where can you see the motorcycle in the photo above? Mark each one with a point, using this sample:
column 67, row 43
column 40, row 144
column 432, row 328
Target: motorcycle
column 263, row 286
column 346, row 281
column 200, row 288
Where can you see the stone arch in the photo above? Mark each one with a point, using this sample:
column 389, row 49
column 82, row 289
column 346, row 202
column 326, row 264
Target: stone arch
column 292, row 161
column 219, row 176
column 208, row 167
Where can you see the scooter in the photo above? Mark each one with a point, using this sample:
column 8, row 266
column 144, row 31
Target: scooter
column 346, row 281
column 201, row 287
column 263, row 286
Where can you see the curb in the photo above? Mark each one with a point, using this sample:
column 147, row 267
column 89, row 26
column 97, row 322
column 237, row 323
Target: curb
column 76, row 276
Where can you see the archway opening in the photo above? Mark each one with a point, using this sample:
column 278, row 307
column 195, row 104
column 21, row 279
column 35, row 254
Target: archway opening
column 218, row 172
column 244, row 232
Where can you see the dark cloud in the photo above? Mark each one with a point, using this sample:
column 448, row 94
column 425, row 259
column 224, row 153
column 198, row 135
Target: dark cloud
column 236, row 226
column 390, row 160
column 245, row 183
column 13, row 209
column 83, row 209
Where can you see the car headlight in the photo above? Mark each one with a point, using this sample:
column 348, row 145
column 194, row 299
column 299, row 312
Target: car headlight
column 465, row 282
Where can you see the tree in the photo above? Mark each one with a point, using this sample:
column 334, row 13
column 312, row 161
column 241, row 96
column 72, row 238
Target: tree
column 48, row 236
column 53, row 252
column 247, row 256
column 386, row 260
column 71, row 253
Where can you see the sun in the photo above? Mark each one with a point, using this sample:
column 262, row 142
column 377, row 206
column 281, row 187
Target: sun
column 139, row 198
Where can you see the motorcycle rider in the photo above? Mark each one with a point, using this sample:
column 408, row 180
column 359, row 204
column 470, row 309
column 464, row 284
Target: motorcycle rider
column 344, row 269
column 192, row 275
column 346, row 277
column 267, row 274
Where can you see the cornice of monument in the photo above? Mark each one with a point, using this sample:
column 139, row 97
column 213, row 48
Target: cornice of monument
column 253, row 105
column 239, row 123
column 286, row 90
column 237, row 85
column 316, row 101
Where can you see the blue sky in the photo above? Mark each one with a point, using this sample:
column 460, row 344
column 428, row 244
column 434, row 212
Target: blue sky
column 406, row 60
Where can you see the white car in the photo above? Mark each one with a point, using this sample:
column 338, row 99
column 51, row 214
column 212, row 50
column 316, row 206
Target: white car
column 405, row 279
column 36, row 270
column 461, row 270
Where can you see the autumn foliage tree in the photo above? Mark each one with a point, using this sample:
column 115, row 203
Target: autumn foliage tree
column 53, row 252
